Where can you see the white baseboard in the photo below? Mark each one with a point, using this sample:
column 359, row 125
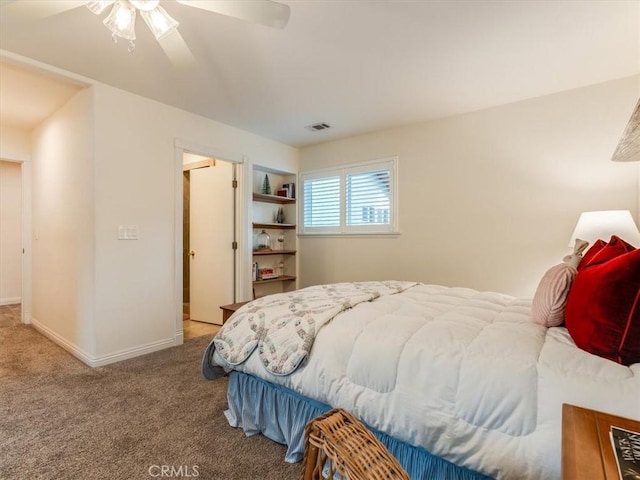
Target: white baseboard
column 179, row 338
column 64, row 343
column 132, row 352
column 101, row 360
column 10, row 301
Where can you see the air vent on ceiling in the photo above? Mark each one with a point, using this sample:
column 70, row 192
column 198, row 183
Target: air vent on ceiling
column 316, row 127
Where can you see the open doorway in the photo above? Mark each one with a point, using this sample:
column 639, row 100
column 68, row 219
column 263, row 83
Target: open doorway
column 208, row 254
column 11, row 241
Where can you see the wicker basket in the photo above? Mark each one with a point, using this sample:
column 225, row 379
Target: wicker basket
column 337, row 445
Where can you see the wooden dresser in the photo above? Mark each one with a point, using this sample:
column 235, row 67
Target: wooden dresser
column 586, row 447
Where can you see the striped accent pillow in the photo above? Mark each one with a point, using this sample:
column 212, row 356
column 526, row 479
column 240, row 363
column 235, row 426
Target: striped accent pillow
column 551, row 295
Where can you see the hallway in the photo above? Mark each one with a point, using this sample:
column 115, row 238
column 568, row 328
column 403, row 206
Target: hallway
column 192, row 329
column 10, row 317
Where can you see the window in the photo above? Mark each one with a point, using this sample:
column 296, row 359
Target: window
column 352, row 199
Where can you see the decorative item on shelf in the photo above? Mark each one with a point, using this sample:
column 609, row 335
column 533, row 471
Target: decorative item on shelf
column 264, row 242
column 290, row 188
column 266, row 186
column 283, row 192
column 280, row 240
column 267, row 274
column 280, row 215
column 281, row 269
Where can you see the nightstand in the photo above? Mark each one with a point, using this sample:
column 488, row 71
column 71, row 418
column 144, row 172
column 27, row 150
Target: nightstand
column 586, row 447
column 228, row 310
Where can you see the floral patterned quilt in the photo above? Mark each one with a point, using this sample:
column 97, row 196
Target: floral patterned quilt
column 282, row 327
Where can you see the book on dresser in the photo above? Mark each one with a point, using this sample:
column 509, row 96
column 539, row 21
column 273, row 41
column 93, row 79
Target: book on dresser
column 626, row 449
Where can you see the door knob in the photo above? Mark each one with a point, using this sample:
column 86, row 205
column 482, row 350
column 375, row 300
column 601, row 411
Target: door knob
column 192, row 253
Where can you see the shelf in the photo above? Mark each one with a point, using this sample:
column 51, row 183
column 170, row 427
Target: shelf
column 261, row 197
column 274, row 252
column 284, row 278
column 275, row 226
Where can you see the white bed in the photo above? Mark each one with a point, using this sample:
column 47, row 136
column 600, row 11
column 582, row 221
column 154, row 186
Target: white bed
column 465, row 375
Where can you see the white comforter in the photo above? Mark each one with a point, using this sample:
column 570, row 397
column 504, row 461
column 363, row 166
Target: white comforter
column 464, row 374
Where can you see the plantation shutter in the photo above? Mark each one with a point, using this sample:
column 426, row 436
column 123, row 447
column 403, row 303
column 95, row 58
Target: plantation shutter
column 368, row 198
column 322, row 202
column 356, row 199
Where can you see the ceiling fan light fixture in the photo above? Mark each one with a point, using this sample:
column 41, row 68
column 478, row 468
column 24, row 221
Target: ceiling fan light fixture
column 99, row 6
column 159, row 22
column 122, row 20
column 145, row 5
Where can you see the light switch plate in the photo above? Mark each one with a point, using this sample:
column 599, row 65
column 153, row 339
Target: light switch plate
column 127, row 232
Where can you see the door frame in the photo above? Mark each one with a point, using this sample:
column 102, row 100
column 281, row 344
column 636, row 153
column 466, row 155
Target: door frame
column 25, row 177
column 241, row 215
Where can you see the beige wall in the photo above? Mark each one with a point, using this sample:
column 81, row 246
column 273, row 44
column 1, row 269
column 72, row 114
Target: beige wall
column 62, row 225
column 135, row 183
column 488, row 200
column 108, row 158
column 15, row 143
column 10, row 233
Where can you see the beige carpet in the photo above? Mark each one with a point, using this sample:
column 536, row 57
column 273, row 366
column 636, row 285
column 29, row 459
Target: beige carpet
column 60, row 419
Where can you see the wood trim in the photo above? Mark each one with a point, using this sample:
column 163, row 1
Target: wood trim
column 261, row 197
column 274, row 252
column 209, row 162
column 283, row 278
column 274, row 226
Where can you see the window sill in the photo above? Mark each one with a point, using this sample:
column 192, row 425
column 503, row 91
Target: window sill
column 353, row 235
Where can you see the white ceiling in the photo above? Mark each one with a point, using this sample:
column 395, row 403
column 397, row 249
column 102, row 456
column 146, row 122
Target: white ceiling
column 357, row 65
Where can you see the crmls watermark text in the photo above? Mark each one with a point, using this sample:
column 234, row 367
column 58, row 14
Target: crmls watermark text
column 183, row 471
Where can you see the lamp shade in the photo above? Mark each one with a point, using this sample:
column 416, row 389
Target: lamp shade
column 122, row 20
column 98, row 6
column 628, row 149
column 159, row 22
column 144, row 5
column 602, row 224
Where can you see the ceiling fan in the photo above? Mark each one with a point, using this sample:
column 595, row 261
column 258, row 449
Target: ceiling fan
column 122, row 14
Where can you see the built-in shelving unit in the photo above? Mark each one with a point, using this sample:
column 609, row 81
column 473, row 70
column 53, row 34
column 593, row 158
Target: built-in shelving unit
column 282, row 254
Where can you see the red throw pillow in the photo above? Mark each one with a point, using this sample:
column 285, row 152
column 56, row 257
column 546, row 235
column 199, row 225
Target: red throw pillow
column 589, row 254
column 603, row 307
column 602, row 252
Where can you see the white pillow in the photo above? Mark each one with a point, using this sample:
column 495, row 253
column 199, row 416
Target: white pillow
column 551, row 295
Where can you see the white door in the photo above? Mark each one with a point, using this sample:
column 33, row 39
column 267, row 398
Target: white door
column 211, row 277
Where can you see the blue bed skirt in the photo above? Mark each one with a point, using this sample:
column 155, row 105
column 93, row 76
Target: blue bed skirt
column 281, row 414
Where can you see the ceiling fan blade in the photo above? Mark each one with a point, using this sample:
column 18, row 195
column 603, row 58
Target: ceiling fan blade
column 264, row 12
column 177, row 50
column 38, row 9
